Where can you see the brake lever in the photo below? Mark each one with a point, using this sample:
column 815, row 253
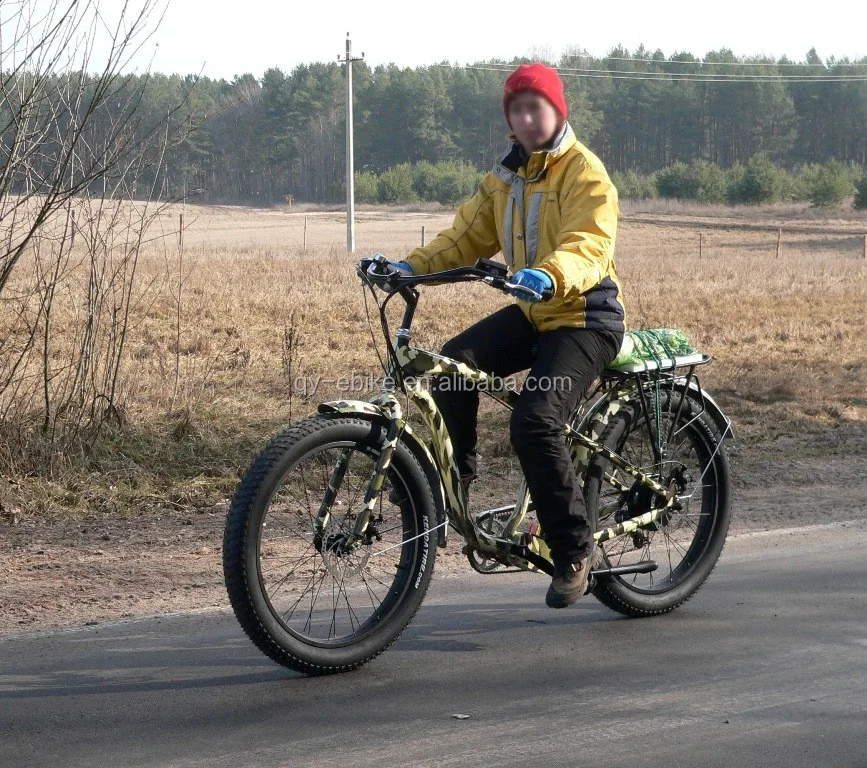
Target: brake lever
column 506, row 287
column 528, row 292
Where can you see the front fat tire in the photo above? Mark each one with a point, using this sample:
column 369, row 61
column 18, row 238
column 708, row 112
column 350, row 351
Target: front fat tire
column 240, row 557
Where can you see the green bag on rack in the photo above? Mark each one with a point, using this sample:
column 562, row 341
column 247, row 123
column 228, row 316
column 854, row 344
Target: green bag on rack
column 652, row 345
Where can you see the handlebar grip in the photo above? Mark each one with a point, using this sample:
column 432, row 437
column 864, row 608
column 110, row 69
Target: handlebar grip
column 376, row 267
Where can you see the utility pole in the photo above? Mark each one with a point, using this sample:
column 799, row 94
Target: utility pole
column 350, row 159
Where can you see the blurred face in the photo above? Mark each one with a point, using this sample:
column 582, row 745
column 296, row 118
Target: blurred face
column 533, row 119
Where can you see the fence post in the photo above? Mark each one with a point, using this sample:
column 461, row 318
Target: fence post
column 422, row 235
column 865, row 246
column 181, row 233
column 699, row 245
column 305, row 233
column 779, row 243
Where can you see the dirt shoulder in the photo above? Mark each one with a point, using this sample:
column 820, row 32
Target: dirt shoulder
column 67, row 573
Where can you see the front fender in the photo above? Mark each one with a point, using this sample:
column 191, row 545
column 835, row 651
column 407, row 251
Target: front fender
column 361, row 409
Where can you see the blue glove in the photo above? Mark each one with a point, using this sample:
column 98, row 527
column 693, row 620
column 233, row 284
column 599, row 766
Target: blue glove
column 534, row 279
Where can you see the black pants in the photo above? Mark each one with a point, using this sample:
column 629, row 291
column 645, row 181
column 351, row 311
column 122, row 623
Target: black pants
column 562, row 363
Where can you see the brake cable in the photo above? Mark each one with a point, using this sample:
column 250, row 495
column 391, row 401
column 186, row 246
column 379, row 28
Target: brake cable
column 365, row 286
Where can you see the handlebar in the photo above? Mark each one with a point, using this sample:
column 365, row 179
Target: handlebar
column 378, row 271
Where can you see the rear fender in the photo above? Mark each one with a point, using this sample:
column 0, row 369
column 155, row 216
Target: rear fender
column 723, row 423
column 594, row 421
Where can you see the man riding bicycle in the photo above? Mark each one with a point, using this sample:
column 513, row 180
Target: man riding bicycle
column 552, row 210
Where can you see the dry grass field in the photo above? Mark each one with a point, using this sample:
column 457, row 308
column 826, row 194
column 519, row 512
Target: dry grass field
column 134, row 527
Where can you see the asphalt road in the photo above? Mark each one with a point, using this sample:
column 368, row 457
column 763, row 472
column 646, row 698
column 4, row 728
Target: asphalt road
column 765, row 666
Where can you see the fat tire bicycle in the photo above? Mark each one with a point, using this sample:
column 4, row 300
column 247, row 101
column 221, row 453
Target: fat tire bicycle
column 332, row 533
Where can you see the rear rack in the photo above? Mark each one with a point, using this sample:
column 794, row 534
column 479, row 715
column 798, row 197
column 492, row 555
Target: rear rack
column 665, row 364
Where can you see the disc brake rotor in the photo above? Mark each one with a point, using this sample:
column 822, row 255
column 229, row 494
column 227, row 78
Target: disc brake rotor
column 340, row 558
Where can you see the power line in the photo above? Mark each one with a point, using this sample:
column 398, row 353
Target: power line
column 614, row 74
column 707, row 75
column 723, row 75
column 701, row 62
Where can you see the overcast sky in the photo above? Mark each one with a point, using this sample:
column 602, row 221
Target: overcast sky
column 223, row 39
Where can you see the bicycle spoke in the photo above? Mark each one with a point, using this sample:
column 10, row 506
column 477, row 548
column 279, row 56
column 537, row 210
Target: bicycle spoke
column 291, row 609
column 332, row 627
column 378, row 581
column 668, row 552
column 352, row 614
column 371, row 593
column 313, row 598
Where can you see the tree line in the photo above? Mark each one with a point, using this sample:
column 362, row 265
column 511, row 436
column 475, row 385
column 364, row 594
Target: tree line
column 759, row 181
column 259, row 139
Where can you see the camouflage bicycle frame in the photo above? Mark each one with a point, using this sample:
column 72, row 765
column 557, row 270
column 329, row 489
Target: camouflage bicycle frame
column 509, row 548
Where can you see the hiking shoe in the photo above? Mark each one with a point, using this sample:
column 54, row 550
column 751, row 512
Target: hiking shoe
column 570, row 582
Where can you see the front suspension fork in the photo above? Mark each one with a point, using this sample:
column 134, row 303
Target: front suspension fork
column 374, row 486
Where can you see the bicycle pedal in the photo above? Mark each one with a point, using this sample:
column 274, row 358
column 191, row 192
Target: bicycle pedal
column 645, row 566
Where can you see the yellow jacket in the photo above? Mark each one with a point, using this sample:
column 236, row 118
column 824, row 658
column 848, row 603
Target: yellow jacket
column 556, row 211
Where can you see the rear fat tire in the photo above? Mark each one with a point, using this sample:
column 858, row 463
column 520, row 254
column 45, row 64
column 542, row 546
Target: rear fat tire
column 615, row 592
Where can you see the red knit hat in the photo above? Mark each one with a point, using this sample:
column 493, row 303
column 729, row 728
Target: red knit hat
column 535, row 77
